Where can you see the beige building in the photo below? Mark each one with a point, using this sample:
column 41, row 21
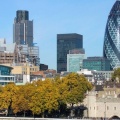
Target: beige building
column 23, row 71
column 105, row 104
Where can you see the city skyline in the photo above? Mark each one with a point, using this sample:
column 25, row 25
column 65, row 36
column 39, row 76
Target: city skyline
column 59, row 17
column 65, row 43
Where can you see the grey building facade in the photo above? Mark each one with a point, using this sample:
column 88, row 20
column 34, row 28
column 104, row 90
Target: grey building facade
column 66, row 42
column 23, row 28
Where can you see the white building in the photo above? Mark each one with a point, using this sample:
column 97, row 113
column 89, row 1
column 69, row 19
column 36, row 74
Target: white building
column 88, row 74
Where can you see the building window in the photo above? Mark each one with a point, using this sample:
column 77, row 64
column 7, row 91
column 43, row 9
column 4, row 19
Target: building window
column 114, row 108
column 23, row 69
column 107, row 108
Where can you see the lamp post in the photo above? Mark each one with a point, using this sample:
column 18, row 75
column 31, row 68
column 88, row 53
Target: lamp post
column 105, row 110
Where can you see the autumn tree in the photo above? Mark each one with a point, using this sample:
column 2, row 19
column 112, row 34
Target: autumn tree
column 72, row 88
column 45, row 98
column 36, row 101
column 51, row 95
column 7, row 95
column 22, row 98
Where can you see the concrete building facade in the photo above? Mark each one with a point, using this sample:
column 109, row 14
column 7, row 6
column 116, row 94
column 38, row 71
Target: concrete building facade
column 105, row 75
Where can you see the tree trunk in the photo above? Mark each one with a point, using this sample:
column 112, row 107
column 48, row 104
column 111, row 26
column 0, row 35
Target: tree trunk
column 72, row 112
column 24, row 113
column 9, row 110
column 43, row 115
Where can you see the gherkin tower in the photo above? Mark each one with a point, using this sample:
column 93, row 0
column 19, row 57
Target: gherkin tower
column 111, row 47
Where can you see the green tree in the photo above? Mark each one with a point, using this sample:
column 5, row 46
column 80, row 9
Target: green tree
column 116, row 75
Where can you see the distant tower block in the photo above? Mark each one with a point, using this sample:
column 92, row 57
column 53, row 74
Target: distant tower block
column 23, row 28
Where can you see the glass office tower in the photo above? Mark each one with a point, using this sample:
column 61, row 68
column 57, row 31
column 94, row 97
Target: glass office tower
column 111, row 48
column 66, row 42
column 75, row 60
column 23, row 28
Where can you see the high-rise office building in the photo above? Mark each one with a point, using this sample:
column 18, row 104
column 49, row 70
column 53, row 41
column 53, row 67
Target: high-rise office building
column 66, row 42
column 111, row 48
column 23, row 28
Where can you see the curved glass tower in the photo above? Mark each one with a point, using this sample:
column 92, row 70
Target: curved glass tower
column 111, row 48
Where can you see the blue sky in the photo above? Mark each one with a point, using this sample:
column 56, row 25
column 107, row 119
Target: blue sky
column 52, row 17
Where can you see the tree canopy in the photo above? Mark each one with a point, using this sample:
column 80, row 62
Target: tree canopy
column 46, row 96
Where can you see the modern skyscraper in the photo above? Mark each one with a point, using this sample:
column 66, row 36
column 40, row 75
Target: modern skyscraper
column 66, row 42
column 23, row 28
column 111, row 48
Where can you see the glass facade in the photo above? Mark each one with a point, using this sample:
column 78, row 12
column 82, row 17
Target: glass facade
column 5, row 70
column 22, row 15
column 66, row 42
column 5, row 76
column 23, row 29
column 96, row 63
column 75, row 62
column 111, row 48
